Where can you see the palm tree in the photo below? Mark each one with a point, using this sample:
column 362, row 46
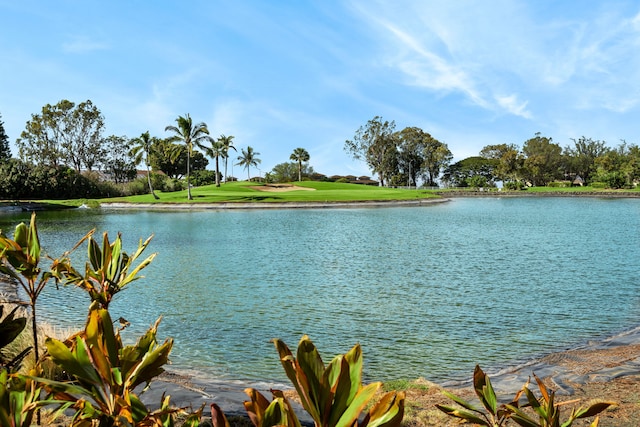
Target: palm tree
column 227, row 142
column 215, row 152
column 300, row 155
column 189, row 134
column 248, row 159
column 142, row 146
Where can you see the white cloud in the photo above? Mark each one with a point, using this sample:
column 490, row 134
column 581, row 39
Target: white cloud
column 82, row 44
column 514, row 106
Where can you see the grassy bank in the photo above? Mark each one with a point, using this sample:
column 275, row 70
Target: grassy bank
column 251, row 192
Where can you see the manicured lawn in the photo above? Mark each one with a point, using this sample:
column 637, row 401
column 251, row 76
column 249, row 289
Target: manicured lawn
column 242, row 192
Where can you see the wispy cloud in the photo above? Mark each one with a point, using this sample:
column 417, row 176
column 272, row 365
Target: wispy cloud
column 511, row 104
column 83, row 44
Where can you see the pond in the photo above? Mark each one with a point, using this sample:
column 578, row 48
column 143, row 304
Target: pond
column 428, row 291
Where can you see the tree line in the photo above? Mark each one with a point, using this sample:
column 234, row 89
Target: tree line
column 401, row 157
column 63, row 153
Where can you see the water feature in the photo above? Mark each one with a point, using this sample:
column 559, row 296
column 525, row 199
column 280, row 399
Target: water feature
column 427, row 291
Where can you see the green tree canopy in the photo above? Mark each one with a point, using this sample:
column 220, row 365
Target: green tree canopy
column 227, row 143
column 141, row 150
column 424, row 154
column 5, row 150
column 543, row 160
column 288, row 172
column 247, row 159
column 300, row 156
column 509, row 159
column 215, row 151
column 64, row 134
column 189, row 134
column 473, row 171
column 377, row 144
column 119, row 163
column 581, row 158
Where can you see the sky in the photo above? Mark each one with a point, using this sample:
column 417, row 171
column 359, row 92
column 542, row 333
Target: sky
column 282, row 74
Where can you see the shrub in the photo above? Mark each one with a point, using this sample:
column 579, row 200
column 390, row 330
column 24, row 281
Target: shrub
column 514, row 185
column 559, row 184
column 204, row 177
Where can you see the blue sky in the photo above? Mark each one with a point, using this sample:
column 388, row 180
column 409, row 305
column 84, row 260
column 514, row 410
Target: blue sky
column 284, row 74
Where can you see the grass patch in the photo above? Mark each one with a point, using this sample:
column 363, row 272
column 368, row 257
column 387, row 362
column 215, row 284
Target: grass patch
column 405, row 385
column 585, row 189
column 241, row 192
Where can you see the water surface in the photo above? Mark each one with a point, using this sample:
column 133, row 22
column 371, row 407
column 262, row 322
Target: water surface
column 428, row 291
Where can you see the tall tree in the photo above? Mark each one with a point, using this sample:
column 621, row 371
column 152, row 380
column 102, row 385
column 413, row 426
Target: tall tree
column 423, row 154
column 376, row 144
column 141, row 150
column 581, row 158
column 470, row 171
column 509, row 160
column 189, row 134
column 215, row 151
column 165, row 155
column 64, row 134
column 543, row 160
column 300, row 155
column 227, row 142
column 119, row 162
column 5, row 150
column 247, row 159
column 287, row 172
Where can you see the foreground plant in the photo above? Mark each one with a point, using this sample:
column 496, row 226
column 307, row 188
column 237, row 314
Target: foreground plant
column 20, row 259
column 545, row 408
column 108, row 271
column 20, row 398
column 10, row 328
column 333, row 395
column 548, row 412
column 105, row 374
column 492, row 415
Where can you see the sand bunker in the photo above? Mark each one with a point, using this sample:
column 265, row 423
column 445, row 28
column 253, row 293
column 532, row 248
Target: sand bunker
column 280, row 188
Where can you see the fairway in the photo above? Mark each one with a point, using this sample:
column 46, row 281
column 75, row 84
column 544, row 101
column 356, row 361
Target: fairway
column 251, row 192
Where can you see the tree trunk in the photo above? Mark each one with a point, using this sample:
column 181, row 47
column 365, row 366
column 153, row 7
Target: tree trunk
column 149, row 181
column 217, row 173
column 188, row 177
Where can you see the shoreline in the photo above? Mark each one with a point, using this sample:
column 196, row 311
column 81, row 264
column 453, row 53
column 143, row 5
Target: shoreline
column 614, row 358
column 443, row 197
column 273, row 205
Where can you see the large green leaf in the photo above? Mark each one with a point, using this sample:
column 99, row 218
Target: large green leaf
column 594, row 409
column 341, row 392
column 464, row 415
column 355, row 360
column 10, row 327
column 113, row 268
column 62, row 356
column 309, row 361
column 362, row 398
column 297, row 378
column 94, row 254
column 34, row 240
column 484, row 390
column 151, row 365
column 387, row 412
